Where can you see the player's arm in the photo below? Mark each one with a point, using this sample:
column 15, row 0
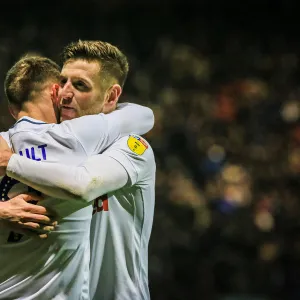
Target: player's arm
column 30, row 178
column 99, row 175
column 120, row 165
column 97, row 132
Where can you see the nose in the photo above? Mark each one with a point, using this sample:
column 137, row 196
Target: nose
column 67, row 99
column 66, row 94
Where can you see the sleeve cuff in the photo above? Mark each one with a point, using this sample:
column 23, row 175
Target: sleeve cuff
column 12, row 164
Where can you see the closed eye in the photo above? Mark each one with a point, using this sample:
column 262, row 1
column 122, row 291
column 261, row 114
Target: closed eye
column 63, row 82
column 80, row 85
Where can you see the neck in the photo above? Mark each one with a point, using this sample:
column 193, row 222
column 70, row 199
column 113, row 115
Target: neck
column 41, row 111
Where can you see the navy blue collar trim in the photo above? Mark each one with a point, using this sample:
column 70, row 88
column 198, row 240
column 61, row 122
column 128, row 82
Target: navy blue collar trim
column 29, row 121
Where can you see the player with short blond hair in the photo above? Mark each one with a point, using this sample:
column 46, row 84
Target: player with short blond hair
column 122, row 178
column 59, row 265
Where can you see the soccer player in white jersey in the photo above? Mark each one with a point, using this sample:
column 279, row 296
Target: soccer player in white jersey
column 122, row 222
column 59, row 265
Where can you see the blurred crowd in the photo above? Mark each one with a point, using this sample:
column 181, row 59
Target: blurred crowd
column 226, row 139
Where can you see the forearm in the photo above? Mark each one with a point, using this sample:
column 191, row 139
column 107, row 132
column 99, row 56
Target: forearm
column 139, row 119
column 44, row 177
column 98, row 176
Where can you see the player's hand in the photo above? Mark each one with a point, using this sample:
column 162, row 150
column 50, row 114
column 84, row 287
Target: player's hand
column 40, row 232
column 19, row 212
column 5, row 154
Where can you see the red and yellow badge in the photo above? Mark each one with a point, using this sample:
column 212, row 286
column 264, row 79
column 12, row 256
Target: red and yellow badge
column 137, row 144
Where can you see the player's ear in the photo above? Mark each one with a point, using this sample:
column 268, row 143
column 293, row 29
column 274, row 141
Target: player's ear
column 13, row 111
column 55, row 100
column 54, row 94
column 111, row 99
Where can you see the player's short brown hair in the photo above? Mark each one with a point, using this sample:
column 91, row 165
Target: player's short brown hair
column 113, row 62
column 28, row 76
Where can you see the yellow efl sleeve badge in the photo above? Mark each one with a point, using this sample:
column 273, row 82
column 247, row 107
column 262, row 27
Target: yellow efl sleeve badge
column 137, row 144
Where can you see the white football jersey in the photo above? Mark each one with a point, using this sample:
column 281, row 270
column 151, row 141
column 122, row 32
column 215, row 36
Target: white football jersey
column 121, row 226
column 59, row 265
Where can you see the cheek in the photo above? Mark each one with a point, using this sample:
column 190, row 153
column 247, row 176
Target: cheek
column 86, row 102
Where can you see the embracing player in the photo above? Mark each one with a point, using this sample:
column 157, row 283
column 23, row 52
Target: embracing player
column 121, row 230
column 59, row 265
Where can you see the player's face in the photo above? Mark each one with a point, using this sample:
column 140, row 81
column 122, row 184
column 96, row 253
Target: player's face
column 81, row 93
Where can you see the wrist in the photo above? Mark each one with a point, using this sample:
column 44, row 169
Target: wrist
column 3, row 211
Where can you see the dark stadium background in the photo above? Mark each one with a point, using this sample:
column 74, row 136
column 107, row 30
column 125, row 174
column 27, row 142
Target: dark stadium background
column 223, row 80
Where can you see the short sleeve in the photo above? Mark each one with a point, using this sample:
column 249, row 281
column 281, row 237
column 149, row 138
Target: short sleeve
column 97, row 132
column 136, row 155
